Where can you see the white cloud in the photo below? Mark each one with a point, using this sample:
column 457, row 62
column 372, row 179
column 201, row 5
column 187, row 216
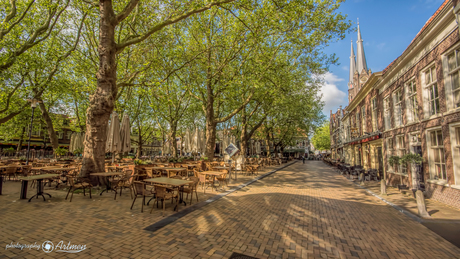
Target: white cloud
column 333, row 97
column 345, row 68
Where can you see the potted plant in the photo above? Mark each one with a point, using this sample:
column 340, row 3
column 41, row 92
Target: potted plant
column 78, row 151
column 412, row 158
column 9, row 150
column 60, row 151
column 138, row 162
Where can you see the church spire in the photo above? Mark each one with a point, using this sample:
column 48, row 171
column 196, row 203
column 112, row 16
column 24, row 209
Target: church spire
column 352, row 65
column 361, row 58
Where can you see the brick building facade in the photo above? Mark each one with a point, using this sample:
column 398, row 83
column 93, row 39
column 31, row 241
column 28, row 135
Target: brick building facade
column 412, row 106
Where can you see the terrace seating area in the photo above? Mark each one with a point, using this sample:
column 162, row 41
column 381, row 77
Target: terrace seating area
column 160, row 180
column 354, row 172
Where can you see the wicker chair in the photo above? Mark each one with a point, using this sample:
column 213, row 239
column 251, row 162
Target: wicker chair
column 11, row 171
column 204, row 179
column 192, row 188
column 140, row 189
column 125, row 182
column 77, row 183
column 223, row 178
column 162, row 195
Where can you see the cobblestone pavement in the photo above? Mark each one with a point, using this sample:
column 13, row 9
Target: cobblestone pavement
column 302, row 211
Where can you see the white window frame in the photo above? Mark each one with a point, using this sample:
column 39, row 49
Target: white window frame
column 68, row 135
column 427, row 96
column 411, row 102
column 374, row 114
column 449, row 72
column 401, row 149
column 387, row 112
column 397, row 107
column 363, row 119
column 455, row 145
column 431, row 156
column 60, row 134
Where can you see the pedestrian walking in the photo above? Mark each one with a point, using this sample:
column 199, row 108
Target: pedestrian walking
column 303, row 159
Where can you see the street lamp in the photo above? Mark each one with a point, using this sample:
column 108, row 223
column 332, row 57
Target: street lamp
column 33, row 104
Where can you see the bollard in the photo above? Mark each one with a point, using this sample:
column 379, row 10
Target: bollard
column 421, row 204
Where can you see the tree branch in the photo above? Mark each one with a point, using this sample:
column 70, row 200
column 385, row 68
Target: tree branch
column 168, row 22
column 127, row 10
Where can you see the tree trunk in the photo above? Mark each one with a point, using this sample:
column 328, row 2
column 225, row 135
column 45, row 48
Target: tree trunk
column 21, row 139
column 210, row 139
column 102, row 101
column 267, row 145
column 244, row 146
column 139, row 143
column 172, row 140
column 49, row 126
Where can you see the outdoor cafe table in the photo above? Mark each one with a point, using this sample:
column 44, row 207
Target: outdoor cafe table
column 108, row 184
column 225, row 168
column 178, row 183
column 156, row 163
column 43, row 168
column 213, row 174
column 117, row 166
column 39, row 178
column 168, row 169
column 62, row 170
column 174, row 169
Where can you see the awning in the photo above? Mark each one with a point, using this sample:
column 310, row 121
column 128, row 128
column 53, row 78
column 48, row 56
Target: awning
column 365, row 138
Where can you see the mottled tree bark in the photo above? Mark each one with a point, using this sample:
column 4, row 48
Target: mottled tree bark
column 102, row 101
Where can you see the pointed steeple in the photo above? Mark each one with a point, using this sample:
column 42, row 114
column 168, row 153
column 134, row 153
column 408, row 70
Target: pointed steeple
column 361, row 58
column 352, row 65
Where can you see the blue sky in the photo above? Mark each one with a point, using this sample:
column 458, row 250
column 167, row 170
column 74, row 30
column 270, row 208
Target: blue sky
column 387, row 28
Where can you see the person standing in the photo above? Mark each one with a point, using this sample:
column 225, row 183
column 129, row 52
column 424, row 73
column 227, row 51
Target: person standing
column 303, row 159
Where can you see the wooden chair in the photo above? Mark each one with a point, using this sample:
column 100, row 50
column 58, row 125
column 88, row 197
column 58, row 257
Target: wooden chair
column 140, row 189
column 192, row 188
column 11, row 171
column 77, row 183
column 222, row 178
column 162, row 195
column 204, row 179
column 125, row 182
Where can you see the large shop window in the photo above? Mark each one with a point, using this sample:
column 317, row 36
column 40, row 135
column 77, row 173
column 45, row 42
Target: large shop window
column 374, row 115
column 453, row 89
column 401, row 149
column 411, row 103
column 431, row 88
column 436, row 160
column 387, row 114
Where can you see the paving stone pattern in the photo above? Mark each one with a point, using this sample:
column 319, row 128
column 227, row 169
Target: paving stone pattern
column 302, row 211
